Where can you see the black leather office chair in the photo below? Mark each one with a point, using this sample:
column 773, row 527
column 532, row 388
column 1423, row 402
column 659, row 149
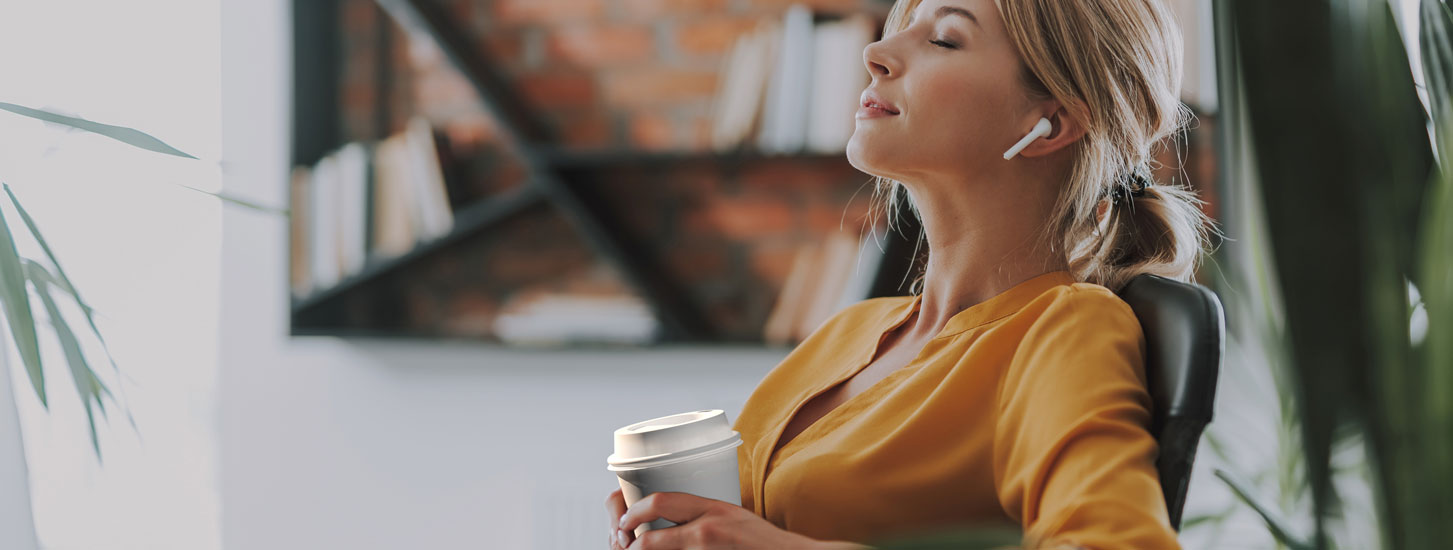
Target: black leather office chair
column 1185, row 337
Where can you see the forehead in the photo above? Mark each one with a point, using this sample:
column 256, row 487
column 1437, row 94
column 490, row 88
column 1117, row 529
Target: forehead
column 969, row 11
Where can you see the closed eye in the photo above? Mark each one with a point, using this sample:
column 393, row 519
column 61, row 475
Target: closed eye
column 942, row 44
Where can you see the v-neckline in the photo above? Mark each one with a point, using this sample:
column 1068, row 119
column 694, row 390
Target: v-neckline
column 865, row 360
column 777, row 446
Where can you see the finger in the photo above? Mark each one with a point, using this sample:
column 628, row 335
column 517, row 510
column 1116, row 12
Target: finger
column 615, row 505
column 671, row 538
column 674, row 507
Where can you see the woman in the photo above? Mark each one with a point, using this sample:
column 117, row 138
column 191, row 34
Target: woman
column 1009, row 388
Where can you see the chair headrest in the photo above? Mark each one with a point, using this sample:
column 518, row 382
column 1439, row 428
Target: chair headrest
column 1185, row 338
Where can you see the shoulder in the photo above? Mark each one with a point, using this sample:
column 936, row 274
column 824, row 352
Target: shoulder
column 1081, row 306
column 1083, row 334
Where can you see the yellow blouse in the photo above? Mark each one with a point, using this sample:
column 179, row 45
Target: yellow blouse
column 1028, row 409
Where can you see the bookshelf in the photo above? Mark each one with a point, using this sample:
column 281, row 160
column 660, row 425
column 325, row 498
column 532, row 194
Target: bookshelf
column 557, row 177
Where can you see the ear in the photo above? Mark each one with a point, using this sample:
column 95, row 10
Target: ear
column 1066, row 131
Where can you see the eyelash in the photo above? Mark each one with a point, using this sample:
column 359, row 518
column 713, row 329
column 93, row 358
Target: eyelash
column 943, row 44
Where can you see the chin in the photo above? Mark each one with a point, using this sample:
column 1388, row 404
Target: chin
column 872, row 159
column 860, row 156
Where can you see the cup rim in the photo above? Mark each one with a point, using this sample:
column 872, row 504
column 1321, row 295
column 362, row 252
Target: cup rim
column 615, row 463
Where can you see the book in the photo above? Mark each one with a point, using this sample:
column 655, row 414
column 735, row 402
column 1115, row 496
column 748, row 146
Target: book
column 430, row 192
column 299, row 274
column 784, row 120
column 736, row 109
column 353, row 162
column 825, row 277
column 833, row 271
column 323, row 246
column 781, row 326
column 538, row 319
column 394, row 212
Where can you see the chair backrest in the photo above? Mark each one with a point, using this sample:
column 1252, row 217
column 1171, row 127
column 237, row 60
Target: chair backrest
column 1185, row 337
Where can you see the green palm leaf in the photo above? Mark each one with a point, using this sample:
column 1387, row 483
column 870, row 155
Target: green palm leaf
column 1436, row 265
column 1353, row 218
column 64, row 282
column 88, row 386
column 41, row 278
column 1436, row 41
column 35, row 232
column 1278, row 526
column 129, row 136
column 16, row 301
column 136, row 138
column 243, row 202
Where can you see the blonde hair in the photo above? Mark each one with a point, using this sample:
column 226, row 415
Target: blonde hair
column 1115, row 66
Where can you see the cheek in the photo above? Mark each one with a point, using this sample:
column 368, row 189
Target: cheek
column 963, row 113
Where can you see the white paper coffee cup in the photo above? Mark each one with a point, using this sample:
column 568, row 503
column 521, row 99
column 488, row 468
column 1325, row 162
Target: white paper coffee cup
column 692, row 452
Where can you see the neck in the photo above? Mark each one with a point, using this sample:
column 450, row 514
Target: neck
column 981, row 244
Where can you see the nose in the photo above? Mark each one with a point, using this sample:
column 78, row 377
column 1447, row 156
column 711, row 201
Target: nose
column 877, row 61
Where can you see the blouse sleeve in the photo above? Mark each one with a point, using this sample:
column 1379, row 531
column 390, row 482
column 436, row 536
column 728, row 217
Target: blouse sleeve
column 1074, row 461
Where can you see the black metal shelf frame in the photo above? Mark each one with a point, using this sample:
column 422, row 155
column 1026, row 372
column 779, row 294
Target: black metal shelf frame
column 467, row 221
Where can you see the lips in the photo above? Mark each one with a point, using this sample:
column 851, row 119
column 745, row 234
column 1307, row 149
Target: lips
column 871, row 100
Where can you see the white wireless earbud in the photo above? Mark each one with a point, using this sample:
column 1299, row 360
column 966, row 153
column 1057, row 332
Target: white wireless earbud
column 1041, row 128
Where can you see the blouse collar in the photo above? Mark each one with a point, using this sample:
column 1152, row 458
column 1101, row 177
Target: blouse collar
column 997, row 307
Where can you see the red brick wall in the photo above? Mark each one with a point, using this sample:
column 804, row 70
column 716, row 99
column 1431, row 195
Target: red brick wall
column 630, row 73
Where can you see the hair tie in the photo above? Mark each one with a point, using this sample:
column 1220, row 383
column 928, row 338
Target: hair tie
column 1132, row 185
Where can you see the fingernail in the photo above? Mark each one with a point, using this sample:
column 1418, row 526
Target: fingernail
column 621, row 538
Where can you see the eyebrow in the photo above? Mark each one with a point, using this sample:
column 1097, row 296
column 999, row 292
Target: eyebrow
column 947, row 10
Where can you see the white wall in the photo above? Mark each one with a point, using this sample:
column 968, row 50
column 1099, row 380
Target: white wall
column 392, row 444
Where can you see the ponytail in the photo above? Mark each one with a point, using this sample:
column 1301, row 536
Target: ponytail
column 1158, row 232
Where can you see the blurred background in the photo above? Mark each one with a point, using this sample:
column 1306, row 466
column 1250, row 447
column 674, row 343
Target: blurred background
column 420, row 258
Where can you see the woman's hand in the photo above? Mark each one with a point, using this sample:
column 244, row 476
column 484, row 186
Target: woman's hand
column 615, row 506
column 702, row 524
